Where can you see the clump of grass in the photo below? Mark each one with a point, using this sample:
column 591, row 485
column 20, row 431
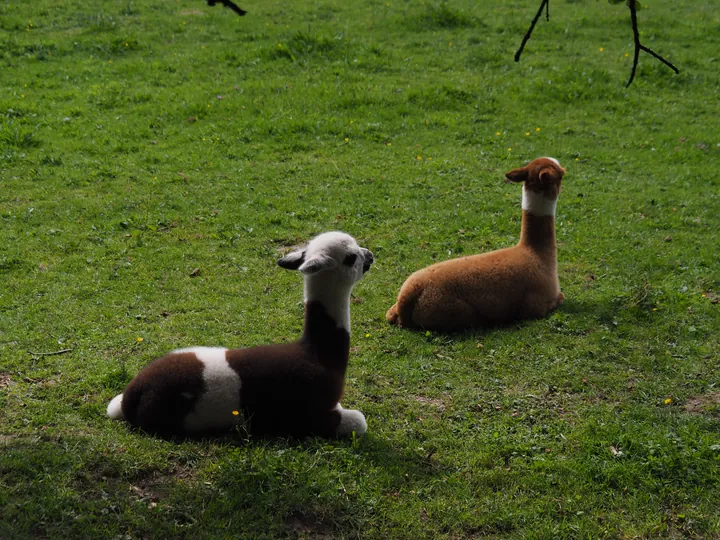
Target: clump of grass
column 303, row 46
column 442, row 98
column 442, row 17
column 18, row 137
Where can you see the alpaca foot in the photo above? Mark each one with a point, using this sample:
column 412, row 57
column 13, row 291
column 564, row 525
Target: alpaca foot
column 350, row 421
column 392, row 315
column 560, row 299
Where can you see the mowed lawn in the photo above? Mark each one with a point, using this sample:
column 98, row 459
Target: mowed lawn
column 157, row 158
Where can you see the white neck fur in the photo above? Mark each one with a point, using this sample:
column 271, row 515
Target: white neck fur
column 335, row 297
column 537, row 204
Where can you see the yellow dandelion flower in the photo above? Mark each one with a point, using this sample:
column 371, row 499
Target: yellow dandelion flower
column 577, row 159
column 127, row 45
column 627, row 54
column 203, row 138
column 389, row 144
column 419, row 158
column 668, row 401
column 236, row 413
column 367, row 335
column 527, row 133
column 450, row 44
column 154, row 177
column 509, row 149
column 601, row 49
column 430, row 159
column 139, row 340
column 347, row 140
column 280, row 45
column 497, row 133
column 537, row 129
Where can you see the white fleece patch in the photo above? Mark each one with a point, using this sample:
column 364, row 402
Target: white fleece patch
column 214, row 409
column 350, row 420
column 331, row 287
column 553, row 159
column 114, row 408
column 536, row 204
column 335, row 297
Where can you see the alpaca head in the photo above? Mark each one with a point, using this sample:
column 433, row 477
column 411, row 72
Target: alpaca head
column 542, row 175
column 330, row 257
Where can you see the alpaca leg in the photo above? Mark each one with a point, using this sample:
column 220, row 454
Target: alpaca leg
column 337, row 422
column 350, row 421
column 538, row 306
column 450, row 313
column 392, row 315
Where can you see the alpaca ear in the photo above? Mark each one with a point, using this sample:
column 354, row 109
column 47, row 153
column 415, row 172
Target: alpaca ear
column 292, row 261
column 550, row 175
column 517, row 175
column 316, row 264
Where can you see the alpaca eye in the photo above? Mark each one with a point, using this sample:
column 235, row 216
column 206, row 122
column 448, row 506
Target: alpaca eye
column 350, row 259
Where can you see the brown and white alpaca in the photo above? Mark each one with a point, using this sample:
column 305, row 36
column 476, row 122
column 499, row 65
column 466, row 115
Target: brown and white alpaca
column 286, row 389
column 519, row 282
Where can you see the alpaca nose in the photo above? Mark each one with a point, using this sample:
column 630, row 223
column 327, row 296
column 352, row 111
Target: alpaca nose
column 369, row 259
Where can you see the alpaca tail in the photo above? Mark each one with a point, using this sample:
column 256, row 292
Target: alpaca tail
column 114, row 408
column 401, row 313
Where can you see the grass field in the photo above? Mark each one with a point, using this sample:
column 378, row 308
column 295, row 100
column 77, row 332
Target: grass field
column 157, row 157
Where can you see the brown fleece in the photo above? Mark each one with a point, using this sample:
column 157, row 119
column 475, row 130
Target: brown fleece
column 292, row 389
column 155, row 399
column 287, row 389
column 492, row 288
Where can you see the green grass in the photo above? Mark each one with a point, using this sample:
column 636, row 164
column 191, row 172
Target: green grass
column 142, row 140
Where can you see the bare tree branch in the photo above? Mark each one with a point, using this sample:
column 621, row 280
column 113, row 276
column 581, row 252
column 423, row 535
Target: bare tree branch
column 544, row 4
column 639, row 46
column 636, row 36
column 229, row 4
column 53, row 353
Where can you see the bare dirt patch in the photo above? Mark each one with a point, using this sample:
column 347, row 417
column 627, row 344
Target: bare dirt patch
column 437, row 403
column 704, row 404
column 5, row 380
column 309, row 525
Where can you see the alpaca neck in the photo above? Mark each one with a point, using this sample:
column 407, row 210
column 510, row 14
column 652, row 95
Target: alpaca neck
column 327, row 330
column 334, row 297
column 538, row 224
column 537, row 204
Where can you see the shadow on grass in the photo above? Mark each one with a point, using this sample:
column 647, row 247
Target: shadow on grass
column 635, row 307
column 58, row 485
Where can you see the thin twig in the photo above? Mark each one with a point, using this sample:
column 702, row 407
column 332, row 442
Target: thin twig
column 53, row 353
column 544, row 4
column 640, row 47
column 229, row 4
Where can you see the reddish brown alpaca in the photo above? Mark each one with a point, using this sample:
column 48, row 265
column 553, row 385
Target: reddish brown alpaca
column 519, row 282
